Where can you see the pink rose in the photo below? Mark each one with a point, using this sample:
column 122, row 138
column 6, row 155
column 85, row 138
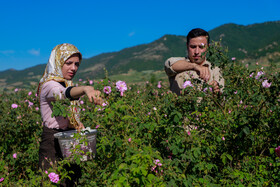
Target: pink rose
column 53, row 177
column 107, row 89
column 187, row 83
column 266, row 84
column 14, row 105
column 159, row 84
column 121, row 86
column 277, row 151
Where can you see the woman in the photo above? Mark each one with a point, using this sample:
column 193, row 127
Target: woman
column 63, row 64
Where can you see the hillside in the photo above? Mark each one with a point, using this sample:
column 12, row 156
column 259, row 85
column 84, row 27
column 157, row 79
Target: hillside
column 253, row 42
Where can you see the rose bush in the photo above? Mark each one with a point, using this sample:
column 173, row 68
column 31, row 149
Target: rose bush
column 149, row 136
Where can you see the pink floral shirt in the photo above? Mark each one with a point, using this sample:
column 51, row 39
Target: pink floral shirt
column 49, row 90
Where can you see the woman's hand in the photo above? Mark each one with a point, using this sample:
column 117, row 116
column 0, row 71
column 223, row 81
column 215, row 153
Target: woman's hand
column 80, row 127
column 93, row 95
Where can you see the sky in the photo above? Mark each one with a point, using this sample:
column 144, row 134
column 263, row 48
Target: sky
column 31, row 29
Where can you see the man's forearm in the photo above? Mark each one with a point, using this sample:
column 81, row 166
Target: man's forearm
column 182, row 65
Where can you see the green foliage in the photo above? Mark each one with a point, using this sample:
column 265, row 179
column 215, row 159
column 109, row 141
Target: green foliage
column 152, row 137
column 250, row 41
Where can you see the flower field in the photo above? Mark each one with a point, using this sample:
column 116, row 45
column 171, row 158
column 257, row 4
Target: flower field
column 148, row 136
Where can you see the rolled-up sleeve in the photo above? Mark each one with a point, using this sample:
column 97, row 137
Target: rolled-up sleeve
column 168, row 65
column 217, row 76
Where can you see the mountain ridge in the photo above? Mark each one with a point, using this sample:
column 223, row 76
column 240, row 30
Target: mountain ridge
column 244, row 42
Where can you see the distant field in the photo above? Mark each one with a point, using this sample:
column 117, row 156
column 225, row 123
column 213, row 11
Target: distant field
column 135, row 77
column 141, row 77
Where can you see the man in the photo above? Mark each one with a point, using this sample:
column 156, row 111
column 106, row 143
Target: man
column 195, row 66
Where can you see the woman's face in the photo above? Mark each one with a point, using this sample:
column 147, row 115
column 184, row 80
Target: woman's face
column 70, row 67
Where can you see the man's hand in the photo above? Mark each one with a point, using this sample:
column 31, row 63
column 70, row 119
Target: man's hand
column 215, row 86
column 203, row 72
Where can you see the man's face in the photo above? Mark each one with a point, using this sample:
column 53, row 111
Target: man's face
column 197, row 49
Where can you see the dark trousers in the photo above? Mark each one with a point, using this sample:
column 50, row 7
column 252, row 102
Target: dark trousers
column 49, row 153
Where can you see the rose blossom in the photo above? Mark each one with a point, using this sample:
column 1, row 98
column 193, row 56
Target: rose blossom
column 53, row 177
column 156, row 161
column 277, row 151
column 121, row 86
column 205, row 89
column 266, row 84
column 105, row 103
column 187, row 83
column 259, row 74
column 30, row 104
column 14, row 105
column 159, row 85
column 107, row 89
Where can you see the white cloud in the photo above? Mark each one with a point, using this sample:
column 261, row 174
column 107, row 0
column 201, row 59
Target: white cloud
column 34, row 52
column 7, row 52
column 131, row 34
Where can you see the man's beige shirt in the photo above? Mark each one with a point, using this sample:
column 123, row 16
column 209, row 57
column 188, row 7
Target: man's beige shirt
column 177, row 79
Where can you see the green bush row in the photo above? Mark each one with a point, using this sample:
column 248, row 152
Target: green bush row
column 152, row 137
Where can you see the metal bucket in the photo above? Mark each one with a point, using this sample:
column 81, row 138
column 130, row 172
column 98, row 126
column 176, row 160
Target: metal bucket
column 67, row 143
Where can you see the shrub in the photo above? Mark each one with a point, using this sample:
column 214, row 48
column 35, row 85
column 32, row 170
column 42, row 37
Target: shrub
column 149, row 136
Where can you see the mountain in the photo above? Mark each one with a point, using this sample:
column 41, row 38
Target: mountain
column 256, row 41
column 252, row 41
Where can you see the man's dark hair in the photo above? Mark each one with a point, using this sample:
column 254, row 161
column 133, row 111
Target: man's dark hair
column 196, row 33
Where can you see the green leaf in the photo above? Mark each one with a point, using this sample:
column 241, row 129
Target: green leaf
column 229, row 157
column 122, row 166
column 246, row 130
